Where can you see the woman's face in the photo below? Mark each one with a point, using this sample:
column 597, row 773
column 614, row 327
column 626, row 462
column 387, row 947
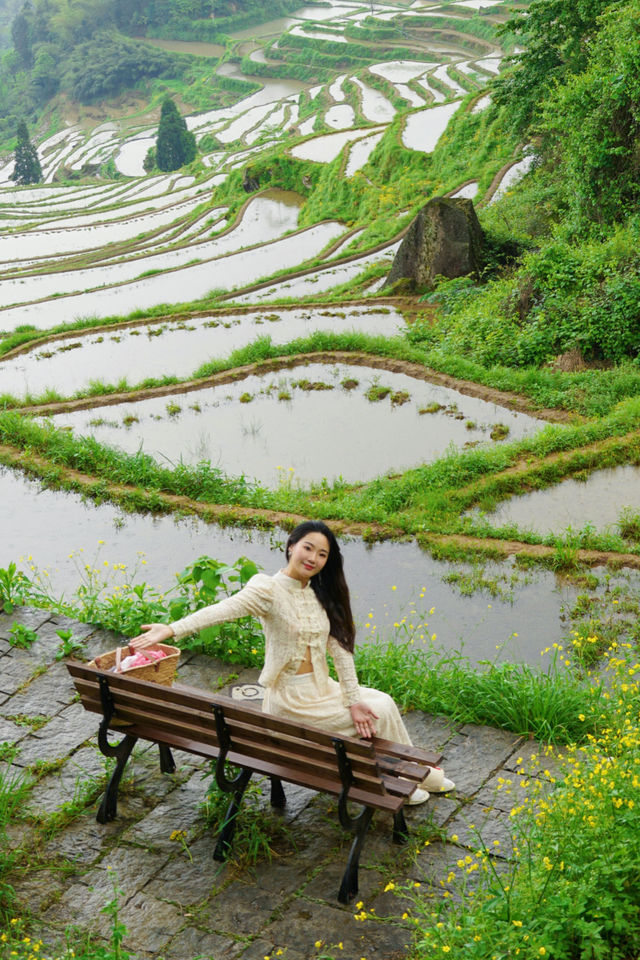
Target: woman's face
column 307, row 557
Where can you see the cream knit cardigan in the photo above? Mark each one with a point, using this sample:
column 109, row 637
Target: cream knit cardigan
column 293, row 619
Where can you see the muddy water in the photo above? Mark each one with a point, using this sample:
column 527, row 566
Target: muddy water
column 400, row 71
column 178, row 349
column 598, row 501
column 326, row 148
column 234, row 270
column 188, row 46
column 360, row 153
column 50, row 525
column 469, row 191
column 266, row 217
column 319, row 280
column 513, row 174
column 422, row 130
column 274, row 429
column 375, row 106
column 129, row 159
column 340, row 116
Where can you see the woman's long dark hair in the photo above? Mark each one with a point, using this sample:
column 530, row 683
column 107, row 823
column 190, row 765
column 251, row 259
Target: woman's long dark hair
column 330, row 586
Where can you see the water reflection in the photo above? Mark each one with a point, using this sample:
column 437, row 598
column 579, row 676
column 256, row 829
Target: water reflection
column 50, row 525
column 175, row 348
column 423, row 129
column 597, row 501
column 189, row 283
column 365, row 422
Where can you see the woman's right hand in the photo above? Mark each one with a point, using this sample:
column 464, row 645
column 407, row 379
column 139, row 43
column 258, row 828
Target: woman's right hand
column 153, row 633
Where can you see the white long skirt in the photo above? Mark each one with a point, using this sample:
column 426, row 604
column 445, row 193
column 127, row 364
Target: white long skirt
column 298, row 698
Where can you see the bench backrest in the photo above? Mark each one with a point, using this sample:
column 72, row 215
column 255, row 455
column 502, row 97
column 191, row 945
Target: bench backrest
column 183, row 718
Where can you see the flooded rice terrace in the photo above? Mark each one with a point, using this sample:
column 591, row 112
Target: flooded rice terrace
column 305, row 423
column 597, row 501
column 77, row 251
column 512, row 618
column 175, row 347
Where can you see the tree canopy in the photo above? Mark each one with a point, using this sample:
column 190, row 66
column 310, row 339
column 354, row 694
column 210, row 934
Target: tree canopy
column 556, row 36
column 175, row 145
column 27, row 165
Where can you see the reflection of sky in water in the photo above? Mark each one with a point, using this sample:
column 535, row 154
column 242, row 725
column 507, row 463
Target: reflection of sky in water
column 50, row 525
column 265, row 218
column 306, row 435
column 423, row 130
column 136, row 353
column 598, row 501
column 191, row 282
column 326, row 148
column 317, row 281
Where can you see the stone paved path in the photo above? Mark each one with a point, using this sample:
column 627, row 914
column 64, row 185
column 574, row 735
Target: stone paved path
column 179, row 904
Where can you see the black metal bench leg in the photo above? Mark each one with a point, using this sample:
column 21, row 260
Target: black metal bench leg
column 278, row 798
column 349, row 885
column 400, row 829
column 167, row 763
column 109, row 807
column 225, row 836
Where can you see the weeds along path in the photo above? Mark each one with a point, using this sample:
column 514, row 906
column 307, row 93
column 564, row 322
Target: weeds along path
column 512, row 401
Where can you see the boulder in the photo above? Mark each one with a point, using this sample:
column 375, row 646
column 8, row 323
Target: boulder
column 445, row 239
column 250, row 183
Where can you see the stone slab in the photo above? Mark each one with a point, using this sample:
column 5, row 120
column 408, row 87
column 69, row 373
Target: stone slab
column 45, row 694
column 479, row 827
column 475, row 753
column 32, row 617
column 192, row 942
column 79, row 774
column 304, row 922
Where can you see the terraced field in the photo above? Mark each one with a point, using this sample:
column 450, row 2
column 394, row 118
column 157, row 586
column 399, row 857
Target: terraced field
column 226, row 329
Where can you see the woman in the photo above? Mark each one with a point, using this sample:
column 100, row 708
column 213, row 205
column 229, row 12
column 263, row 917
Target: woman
column 305, row 612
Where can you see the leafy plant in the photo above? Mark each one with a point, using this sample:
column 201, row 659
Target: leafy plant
column 13, row 586
column 69, row 646
column 22, row 636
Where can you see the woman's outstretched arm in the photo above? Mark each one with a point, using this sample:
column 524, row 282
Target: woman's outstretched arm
column 253, row 600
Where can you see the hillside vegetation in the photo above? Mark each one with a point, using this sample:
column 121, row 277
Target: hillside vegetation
column 90, row 50
column 573, row 97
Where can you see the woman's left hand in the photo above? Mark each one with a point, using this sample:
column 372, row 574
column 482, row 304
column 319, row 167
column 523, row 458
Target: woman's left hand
column 363, row 719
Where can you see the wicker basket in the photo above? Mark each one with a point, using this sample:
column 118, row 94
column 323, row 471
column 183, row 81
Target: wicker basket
column 159, row 671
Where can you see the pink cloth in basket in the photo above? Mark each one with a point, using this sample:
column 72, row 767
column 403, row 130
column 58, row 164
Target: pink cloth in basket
column 141, row 658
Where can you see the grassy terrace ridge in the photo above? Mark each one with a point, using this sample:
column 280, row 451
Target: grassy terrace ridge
column 421, row 502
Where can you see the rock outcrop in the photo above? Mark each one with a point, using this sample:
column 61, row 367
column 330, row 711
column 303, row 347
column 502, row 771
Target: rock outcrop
column 445, row 239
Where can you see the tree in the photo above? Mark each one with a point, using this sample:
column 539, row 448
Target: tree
column 27, row 166
column 21, row 36
column 175, row 145
column 590, row 125
column 557, row 36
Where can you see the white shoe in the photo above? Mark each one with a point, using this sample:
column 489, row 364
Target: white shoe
column 437, row 782
column 418, row 796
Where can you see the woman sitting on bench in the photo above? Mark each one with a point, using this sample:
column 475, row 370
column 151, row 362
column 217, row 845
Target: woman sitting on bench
column 305, row 612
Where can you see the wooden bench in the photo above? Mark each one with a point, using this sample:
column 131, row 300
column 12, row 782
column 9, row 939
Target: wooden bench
column 376, row 773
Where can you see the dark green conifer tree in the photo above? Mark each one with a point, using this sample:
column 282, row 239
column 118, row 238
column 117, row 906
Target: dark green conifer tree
column 175, row 145
column 27, row 165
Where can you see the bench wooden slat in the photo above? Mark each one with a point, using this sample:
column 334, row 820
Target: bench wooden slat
column 317, row 781
column 271, row 722
column 132, row 708
column 179, row 696
column 376, row 773
column 295, row 759
column 403, row 751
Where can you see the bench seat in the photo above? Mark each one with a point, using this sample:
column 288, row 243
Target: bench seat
column 378, row 774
